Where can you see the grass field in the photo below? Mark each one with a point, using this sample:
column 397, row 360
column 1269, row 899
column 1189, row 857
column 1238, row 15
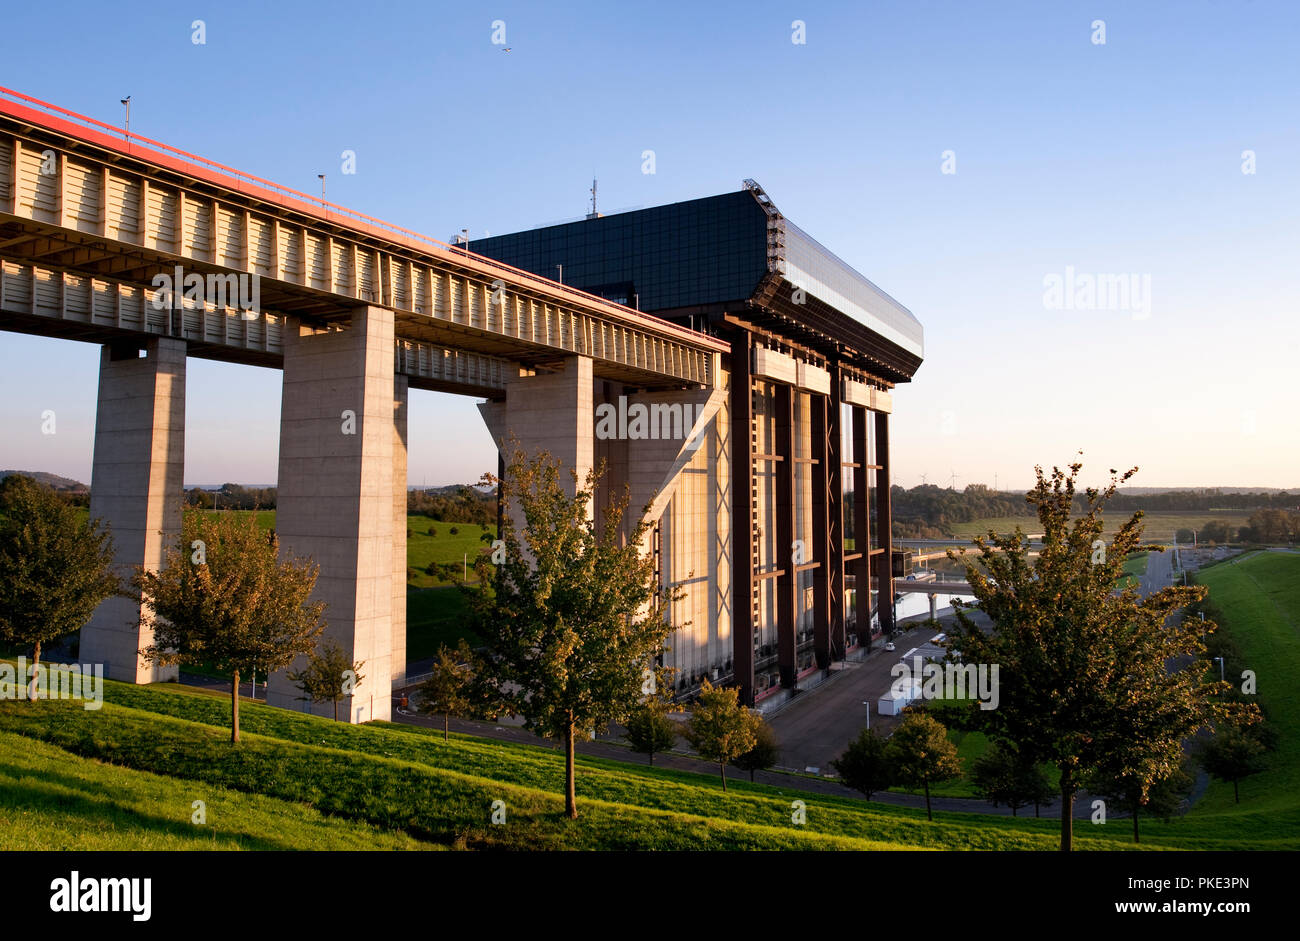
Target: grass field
column 53, row 800
column 1260, row 596
column 1158, row 525
column 407, row 782
column 423, row 549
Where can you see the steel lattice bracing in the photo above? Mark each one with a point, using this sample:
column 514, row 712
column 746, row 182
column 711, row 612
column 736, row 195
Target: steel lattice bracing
column 88, row 222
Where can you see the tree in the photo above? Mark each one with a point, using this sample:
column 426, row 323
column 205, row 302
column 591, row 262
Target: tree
column 1215, row 532
column 223, row 596
column 572, row 615
column 1161, row 797
column 1085, row 670
column 1004, row 776
column 865, row 764
column 330, row 675
column 720, row 728
column 765, row 752
column 920, row 753
column 1232, row 754
column 55, row 568
column 1185, row 536
column 446, row 692
column 650, row 729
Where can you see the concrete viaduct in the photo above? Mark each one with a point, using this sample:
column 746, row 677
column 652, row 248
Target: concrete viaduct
column 771, row 510
column 354, row 311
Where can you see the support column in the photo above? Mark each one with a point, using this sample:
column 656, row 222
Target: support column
column 934, row 607
column 742, row 515
column 786, row 596
column 553, row 412
column 400, row 399
column 336, row 494
column 861, row 529
column 835, row 513
column 884, row 518
column 821, row 547
column 136, row 487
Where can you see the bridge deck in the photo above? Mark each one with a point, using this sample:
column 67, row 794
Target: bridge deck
column 90, row 214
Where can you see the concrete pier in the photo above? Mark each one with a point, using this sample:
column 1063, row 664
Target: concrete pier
column 338, row 482
column 136, row 488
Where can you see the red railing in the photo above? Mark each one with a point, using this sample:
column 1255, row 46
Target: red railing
column 62, row 120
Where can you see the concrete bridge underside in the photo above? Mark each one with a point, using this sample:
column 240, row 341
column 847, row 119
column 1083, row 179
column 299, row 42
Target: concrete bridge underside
column 355, row 313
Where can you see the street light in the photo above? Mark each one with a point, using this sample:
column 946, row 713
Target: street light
column 1221, row 679
column 560, row 268
column 127, row 102
column 867, row 703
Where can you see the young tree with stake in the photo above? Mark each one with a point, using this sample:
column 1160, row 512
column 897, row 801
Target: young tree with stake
column 329, row 676
column 573, row 613
column 223, row 596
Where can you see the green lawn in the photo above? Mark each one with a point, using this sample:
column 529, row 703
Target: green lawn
column 423, row 549
column 1157, row 525
column 1260, row 596
column 405, row 778
column 53, row 800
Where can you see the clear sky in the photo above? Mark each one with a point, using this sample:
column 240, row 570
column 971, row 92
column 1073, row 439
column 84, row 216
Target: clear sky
column 1073, row 158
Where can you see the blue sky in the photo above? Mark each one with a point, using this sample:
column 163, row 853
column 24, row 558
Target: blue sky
column 1115, row 158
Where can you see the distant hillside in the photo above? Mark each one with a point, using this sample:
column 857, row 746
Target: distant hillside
column 50, row 480
column 1148, row 491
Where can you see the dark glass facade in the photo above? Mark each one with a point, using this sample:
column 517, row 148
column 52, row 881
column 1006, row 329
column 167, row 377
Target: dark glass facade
column 704, row 251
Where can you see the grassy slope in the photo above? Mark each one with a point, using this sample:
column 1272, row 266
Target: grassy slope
column 51, row 800
column 405, row 777
column 1260, row 595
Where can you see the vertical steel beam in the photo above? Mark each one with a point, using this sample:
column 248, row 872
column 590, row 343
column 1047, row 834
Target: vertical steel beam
column 883, row 519
column 742, row 516
column 861, row 529
column 821, row 546
column 835, row 516
column 786, row 596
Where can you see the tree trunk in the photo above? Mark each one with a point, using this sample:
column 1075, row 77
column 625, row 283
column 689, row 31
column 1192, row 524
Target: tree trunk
column 1015, row 811
column 1067, row 811
column 570, row 797
column 1036, row 813
column 751, row 775
column 926, row 785
column 1135, row 822
column 722, row 769
column 234, row 709
column 36, row 662
column 446, row 722
column 336, row 710
column 652, row 758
